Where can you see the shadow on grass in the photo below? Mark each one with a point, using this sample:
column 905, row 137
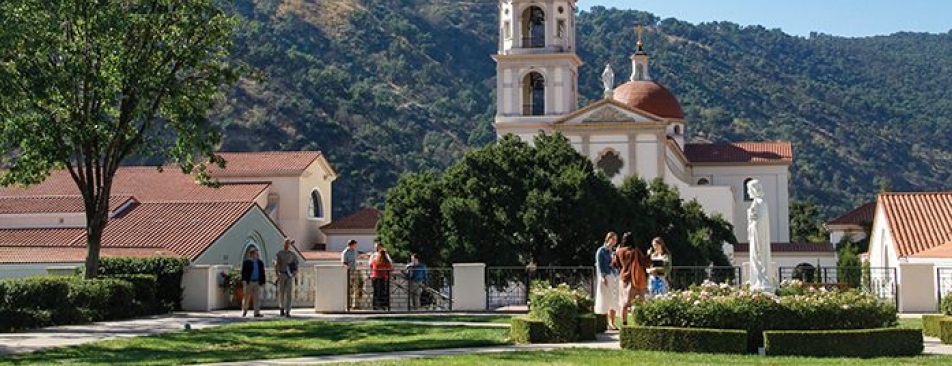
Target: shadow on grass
column 266, row 340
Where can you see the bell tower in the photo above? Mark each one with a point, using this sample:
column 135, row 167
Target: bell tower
column 536, row 63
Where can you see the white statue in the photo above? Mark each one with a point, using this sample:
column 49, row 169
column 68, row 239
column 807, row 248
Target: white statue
column 758, row 237
column 608, row 78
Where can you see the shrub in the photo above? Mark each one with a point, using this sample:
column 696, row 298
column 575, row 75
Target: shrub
column 48, row 293
column 527, row 330
column 725, row 307
column 946, row 305
column 19, row 319
column 101, row 299
column 882, row 342
column 167, row 270
column 601, row 323
column 557, row 309
column 672, row 339
column 144, row 301
column 945, row 331
column 586, row 327
column 930, row 324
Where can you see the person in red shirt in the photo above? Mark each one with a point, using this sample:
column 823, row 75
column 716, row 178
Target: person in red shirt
column 380, row 269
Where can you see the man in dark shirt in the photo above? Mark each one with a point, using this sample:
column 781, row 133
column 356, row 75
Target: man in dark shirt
column 252, row 278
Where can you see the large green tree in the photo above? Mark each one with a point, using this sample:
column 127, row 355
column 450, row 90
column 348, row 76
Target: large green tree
column 88, row 83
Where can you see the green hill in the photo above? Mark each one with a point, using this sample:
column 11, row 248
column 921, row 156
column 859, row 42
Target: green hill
column 386, row 87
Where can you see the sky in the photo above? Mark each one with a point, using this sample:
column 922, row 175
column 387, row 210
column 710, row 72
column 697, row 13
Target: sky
column 847, row 18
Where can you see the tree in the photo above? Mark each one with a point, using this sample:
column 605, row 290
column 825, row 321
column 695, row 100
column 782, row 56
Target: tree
column 89, row 83
column 412, row 222
column 805, row 225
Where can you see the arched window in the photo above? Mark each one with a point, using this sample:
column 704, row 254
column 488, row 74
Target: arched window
column 805, row 272
column 703, row 182
column 533, row 94
column 639, row 71
column 610, row 163
column 533, row 27
column 315, row 209
column 677, row 130
column 743, row 188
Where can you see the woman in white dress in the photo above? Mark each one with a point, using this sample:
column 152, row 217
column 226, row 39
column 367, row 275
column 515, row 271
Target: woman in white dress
column 606, row 294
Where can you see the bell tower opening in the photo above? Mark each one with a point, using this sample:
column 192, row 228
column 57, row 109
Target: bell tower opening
column 533, row 27
column 533, row 94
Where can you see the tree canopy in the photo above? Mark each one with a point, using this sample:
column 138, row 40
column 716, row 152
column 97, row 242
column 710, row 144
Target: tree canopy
column 512, row 203
column 89, row 83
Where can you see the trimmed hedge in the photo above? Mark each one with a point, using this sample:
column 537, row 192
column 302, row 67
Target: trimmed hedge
column 587, row 327
column 672, row 339
column 167, row 270
column 945, row 330
column 882, row 342
column 601, row 323
column 46, row 297
column 144, row 301
column 930, row 324
column 100, row 299
column 526, row 330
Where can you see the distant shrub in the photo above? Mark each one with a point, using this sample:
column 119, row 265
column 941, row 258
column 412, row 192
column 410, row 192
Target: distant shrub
column 167, row 270
column 946, row 305
column 882, row 342
column 144, row 301
column 558, row 310
column 672, row 339
column 527, row 330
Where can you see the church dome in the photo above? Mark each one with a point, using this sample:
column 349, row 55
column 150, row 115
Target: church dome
column 650, row 97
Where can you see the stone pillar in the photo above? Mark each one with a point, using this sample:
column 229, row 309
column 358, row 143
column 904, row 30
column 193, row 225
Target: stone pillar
column 198, row 284
column 917, row 292
column 330, row 283
column 469, row 286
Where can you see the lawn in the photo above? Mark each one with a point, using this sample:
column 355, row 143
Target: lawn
column 498, row 319
column 266, row 339
column 619, row 357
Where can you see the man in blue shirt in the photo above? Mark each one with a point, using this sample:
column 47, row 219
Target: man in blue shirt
column 416, row 276
column 252, row 277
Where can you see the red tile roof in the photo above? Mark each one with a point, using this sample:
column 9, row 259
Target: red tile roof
column 52, row 204
column 320, row 255
column 146, row 184
column 650, row 97
column 40, row 237
column 858, row 216
column 918, row 221
column 24, row 255
column 365, row 219
column 271, row 162
column 942, row 251
column 791, row 247
column 740, row 152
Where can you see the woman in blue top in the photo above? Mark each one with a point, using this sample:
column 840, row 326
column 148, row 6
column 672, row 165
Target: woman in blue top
column 606, row 294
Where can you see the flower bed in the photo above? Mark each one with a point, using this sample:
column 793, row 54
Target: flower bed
column 556, row 314
column 802, row 308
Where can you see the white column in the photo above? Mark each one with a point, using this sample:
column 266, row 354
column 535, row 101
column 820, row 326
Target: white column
column 199, row 286
column 330, row 283
column 469, row 286
column 917, row 293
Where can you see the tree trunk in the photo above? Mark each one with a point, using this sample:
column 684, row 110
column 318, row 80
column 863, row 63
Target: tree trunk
column 94, row 229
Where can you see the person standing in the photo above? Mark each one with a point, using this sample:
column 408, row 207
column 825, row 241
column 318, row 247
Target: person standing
column 416, row 276
column 378, row 247
column 606, row 294
column 349, row 258
column 660, row 267
column 380, row 269
column 286, row 267
column 252, row 278
column 633, row 276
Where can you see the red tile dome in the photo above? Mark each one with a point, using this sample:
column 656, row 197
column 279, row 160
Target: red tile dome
column 650, row 97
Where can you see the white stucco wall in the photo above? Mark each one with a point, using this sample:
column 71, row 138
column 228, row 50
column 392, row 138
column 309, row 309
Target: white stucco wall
column 337, row 242
column 255, row 227
column 33, row 269
column 775, row 181
column 882, row 252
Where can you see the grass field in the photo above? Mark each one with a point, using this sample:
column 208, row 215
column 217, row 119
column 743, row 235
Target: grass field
column 601, row 357
column 267, row 339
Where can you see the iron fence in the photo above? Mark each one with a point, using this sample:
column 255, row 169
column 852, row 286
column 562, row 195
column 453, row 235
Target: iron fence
column 507, row 288
column 396, row 290
column 879, row 281
column 944, row 284
column 683, row 277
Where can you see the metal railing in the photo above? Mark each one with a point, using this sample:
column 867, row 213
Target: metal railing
column 507, row 288
column 879, row 281
column 943, row 278
column 395, row 291
column 683, row 277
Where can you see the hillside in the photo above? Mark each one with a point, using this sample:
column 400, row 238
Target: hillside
column 385, row 87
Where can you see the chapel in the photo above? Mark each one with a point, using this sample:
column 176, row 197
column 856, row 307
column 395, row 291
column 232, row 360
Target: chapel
column 637, row 128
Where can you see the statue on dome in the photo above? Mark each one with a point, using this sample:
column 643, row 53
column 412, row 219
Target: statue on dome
column 758, row 238
column 608, row 78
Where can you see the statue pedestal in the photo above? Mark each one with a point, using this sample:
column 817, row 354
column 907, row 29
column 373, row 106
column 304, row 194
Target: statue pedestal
column 771, row 278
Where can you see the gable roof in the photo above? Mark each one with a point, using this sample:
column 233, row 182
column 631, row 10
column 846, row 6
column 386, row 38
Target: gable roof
column 53, row 204
column 861, row 215
column 780, row 152
column 40, row 237
column 365, row 219
column 269, row 162
column 147, row 185
column 917, row 221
